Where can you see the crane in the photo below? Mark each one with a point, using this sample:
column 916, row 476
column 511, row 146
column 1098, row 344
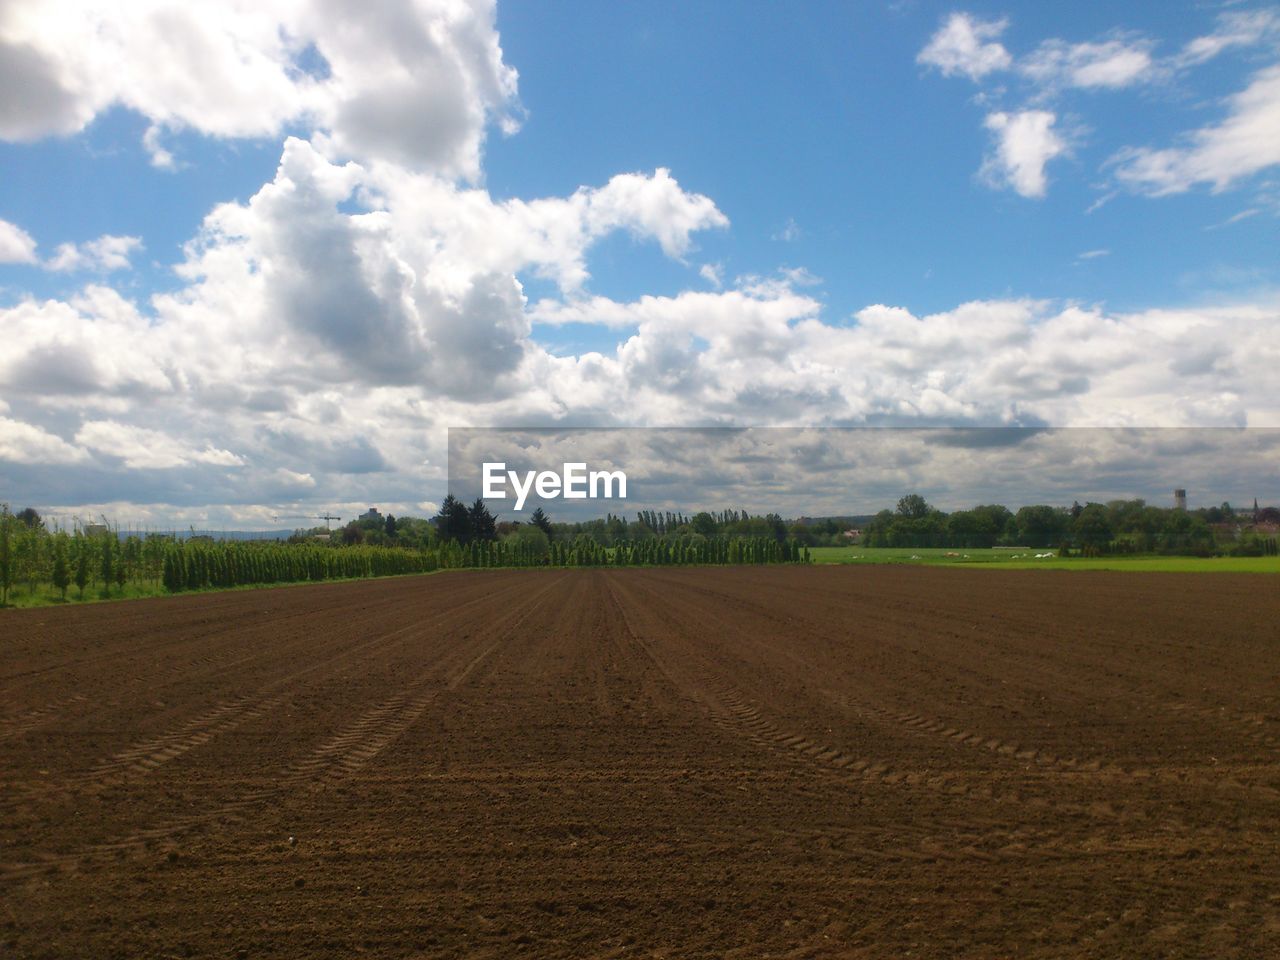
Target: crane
column 326, row 517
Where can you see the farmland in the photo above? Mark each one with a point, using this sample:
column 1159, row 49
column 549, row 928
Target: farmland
column 860, row 761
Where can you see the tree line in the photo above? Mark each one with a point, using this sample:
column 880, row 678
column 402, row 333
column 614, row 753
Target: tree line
column 102, row 564
column 471, row 534
column 585, row 552
column 1120, row 526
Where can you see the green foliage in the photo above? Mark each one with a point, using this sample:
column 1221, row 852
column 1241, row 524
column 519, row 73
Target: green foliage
column 61, row 574
column 82, row 566
column 539, row 519
column 530, row 539
column 453, row 522
column 6, row 553
column 107, row 553
column 483, row 526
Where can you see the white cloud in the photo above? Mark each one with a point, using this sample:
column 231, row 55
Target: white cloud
column 1093, row 254
column 789, row 233
column 410, row 81
column 102, row 255
column 1024, row 143
column 291, row 428
column 1241, row 29
column 1247, row 141
column 144, row 449
column 966, row 45
column 160, row 157
column 16, row 245
column 1110, row 64
column 28, row 444
column 767, row 357
column 1235, row 218
column 713, row 273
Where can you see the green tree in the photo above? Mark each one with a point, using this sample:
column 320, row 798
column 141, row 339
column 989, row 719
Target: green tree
column 453, row 522
column 913, row 507
column 108, row 562
column 528, row 540
column 483, row 525
column 1092, row 526
column 82, row 568
column 28, row 517
column 61, row 573
column 704, row 523
column 1041, row 525
column 542, row 522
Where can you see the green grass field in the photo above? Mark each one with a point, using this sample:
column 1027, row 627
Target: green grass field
column 1006, row 559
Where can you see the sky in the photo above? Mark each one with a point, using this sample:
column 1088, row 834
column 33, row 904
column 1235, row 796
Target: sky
column 257, row 258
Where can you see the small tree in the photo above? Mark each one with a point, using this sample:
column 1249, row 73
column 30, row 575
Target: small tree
column 453, row 522
column 61, row 573
column 122, row 573
column 913, row 507
column 108, row 563
column 82, row 569
column 540, row 520
column 483, row 525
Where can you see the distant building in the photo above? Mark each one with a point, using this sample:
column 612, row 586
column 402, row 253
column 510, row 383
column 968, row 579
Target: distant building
column 371, row 514
column 1180, row 499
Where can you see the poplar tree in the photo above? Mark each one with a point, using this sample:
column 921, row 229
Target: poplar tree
column 107, row 563
column 82, row 569
column 61, row 574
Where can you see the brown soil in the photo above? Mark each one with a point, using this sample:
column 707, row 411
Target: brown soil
column 750, row 762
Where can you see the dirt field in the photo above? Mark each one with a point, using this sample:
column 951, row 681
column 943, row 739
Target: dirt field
column 799, row 762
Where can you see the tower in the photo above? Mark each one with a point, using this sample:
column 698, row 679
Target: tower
column 1180, row 499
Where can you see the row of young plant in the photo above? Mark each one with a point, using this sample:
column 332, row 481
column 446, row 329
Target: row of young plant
column 107, row 566
column 36, row 558
column 196, row 566
column 585, row 552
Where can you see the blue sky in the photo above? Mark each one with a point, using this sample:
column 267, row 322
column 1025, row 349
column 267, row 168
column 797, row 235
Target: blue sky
column 256, row 256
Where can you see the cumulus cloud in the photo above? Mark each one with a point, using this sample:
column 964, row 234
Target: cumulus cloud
column 16, row 245
column 1244, row 143
column 967, row 45
column 453, row 231
column 26, row 443
column 760, row 353
column 425, row 274
column 144, row 449
column 102, row 255
column 1024, row 143
column 766, row 355
column 409, row 81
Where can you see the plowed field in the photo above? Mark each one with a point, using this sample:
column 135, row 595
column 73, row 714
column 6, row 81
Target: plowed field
column 820, row 762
